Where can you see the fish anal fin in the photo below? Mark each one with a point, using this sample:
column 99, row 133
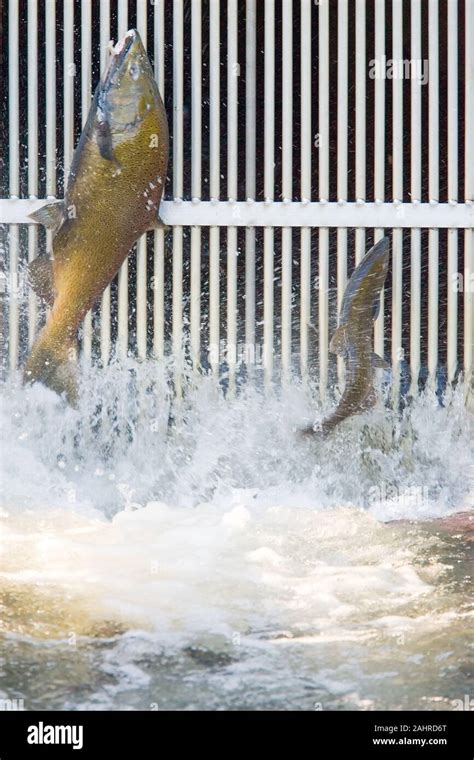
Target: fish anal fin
column 369, row 401
column 378, row 362
column 40, row 276
column 51, row 216
column 338, row 344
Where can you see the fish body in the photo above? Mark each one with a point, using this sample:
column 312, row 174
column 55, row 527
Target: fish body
column 112, row 197
column 353, row 337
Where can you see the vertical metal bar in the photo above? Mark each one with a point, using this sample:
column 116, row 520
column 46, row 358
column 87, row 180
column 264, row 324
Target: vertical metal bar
column 50, row 25
column 306, row 149
column 50, row 76
column 250, row 167
column 122, row 310
column 196, row 184
column 397, row 184
column 360, row 120
column 415, row 291
column 159, row 236
column 177, row 336
column 232, row 148
column 141, row 311
column 469, row 196
column 68, row 89
column 452, row 186
column 105, row 304
column 86, row 55
column 32, row 150
column 323, row 129
column 268, row 189
column 214, row 179
column 14, row 177
column 287, row 184
column 342, row 116
column 433, row 181
column 379, row 152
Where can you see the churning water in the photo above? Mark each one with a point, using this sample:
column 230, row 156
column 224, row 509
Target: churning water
column 222, row 562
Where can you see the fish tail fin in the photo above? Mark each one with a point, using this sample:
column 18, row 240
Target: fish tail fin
column 54, row 367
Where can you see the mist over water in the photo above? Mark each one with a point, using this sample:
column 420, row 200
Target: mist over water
column 201, row 554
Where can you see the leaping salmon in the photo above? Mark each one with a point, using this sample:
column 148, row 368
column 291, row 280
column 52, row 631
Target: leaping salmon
column 353, row 338
column 113, row 194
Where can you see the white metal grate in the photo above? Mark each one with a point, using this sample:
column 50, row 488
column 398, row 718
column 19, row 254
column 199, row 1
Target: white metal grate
column 276, row 124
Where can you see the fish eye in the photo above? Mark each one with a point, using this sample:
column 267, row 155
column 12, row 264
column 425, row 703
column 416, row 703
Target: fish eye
column 134, row 71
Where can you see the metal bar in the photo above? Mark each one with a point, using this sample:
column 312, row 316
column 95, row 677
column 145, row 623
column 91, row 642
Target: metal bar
column 14, row 176
column 287, row 184
column 433, row 188
column 68, row 87
column 159, row 236
column 379, row 157
column 397, row 184
column 469, row 196
column 50, row 30
column 178, row 44
column 32, row 151
column 323, row 130
column 415, row 290
column 268, row 186
column 122, row 297
column 306, row 150
column 86, row 56
column 278, row 214
column 342, row 136
column 452, row 354
column 141, row 289
column 105, row 303
column 360, row 119
column 233, row 74
column 250, row 173
column 196, row 182
column 214, row 180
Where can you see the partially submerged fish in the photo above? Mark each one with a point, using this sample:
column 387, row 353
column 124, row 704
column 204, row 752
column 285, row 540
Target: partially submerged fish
column 112, row 197
column 354, row 336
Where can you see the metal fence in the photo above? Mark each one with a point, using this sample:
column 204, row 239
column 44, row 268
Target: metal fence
column 301, row 130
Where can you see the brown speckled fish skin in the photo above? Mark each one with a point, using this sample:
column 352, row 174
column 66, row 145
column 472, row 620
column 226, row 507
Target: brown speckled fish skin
column 113, row 195
column 353, row 339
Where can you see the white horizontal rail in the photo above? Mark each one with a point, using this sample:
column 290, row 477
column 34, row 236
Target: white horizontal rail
column 280, row 214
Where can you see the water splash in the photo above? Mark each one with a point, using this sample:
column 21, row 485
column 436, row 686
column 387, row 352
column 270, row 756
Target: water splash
column 187, row 561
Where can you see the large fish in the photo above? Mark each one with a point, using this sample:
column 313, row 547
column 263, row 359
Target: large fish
column 353, row 337
column 113, row 193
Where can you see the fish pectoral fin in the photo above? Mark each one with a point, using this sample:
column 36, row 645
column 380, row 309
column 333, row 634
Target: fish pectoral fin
column 40, row 276
column 51, row 216
column 378, row 362
column 158, row 224
column 376, row 309
column 338, row 344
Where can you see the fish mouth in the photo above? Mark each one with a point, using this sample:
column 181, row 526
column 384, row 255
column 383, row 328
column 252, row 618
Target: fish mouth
column 122, row 48
column 119, row 52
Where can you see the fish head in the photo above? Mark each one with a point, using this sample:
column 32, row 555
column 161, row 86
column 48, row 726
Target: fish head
column 128, row 89
column 362, row 296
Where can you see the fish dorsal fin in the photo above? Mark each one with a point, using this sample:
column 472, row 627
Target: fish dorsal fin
column 338, row 344
column 379, row 363
column 51, row 216
column 40, row 275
